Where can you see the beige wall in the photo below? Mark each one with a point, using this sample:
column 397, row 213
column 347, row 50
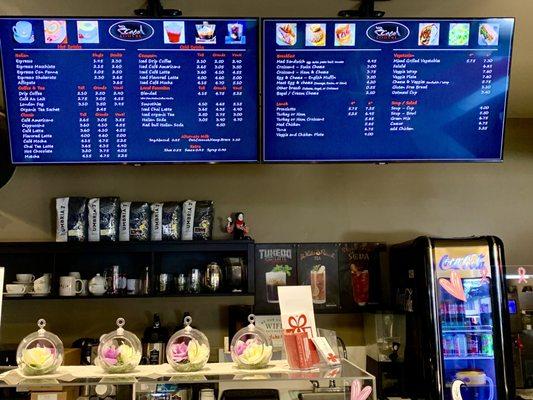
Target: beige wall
column 288, row 202
column 283, row 203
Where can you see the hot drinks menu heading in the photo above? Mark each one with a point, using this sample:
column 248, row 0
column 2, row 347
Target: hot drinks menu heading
column 111, row 90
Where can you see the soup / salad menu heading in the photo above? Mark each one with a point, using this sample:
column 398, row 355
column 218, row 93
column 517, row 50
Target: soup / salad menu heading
column 131, row 91
column 385, row 90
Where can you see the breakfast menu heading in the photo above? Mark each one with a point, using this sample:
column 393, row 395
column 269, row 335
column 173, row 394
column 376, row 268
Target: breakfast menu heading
column 383, row 90
column 112, row 90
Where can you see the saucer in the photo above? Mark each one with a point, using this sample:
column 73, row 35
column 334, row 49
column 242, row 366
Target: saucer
column 22, row 283
column 39, row 294
column 14, row 294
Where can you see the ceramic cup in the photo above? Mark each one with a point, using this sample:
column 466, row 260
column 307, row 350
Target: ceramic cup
column 25, row 278
column 69, row 286
column 23, row 29
column 84, row 288
column 16, row 288
column 41, row 286
column 76, row 275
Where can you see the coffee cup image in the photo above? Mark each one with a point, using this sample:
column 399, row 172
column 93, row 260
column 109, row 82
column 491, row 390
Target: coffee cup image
column 23, row 32
column 88, row 32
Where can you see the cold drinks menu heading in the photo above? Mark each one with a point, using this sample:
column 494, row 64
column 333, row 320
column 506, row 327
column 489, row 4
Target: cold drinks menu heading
column 378, row 90
column 111, row 90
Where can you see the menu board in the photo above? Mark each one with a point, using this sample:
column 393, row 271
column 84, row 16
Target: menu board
column 385, row 90
column 130, row 91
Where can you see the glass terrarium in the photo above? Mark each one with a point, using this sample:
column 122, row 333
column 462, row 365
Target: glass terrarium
column 251, row 347
column 40, row 352
column 188, row 349
column 119, row 351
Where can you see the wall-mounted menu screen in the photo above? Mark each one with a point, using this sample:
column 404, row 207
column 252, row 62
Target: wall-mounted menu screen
column 383, row 90
column 131, row 91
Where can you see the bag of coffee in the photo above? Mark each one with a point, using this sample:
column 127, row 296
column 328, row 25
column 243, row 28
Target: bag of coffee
column 156, row 232
column 203, row 220
column 171, row 221
column 124, row 225
column 188, row 207
column 139, row 221
column 71, row 219
column 103, row 219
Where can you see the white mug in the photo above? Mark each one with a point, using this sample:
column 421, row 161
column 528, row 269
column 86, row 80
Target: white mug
column 25, row 278
column 76, row 275
column 41, row 286
column 69, row 286
column 84, row 288
column 15, row 288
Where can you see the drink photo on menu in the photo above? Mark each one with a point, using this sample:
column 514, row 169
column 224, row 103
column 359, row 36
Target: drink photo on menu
column 318, row 266
column 275, row 266
column 360, row 274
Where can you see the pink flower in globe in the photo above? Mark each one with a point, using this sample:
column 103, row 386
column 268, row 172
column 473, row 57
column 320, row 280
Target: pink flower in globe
column 179, row 352
column 111, row 355
column 240, row 346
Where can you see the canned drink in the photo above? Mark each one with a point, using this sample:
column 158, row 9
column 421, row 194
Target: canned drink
column 473, row 345
column 487, row 344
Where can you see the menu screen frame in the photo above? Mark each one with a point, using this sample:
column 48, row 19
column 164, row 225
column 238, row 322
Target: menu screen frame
column 257, row 48
column 378, row 160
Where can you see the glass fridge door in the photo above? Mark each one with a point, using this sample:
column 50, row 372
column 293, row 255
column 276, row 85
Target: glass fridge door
column 467, row 339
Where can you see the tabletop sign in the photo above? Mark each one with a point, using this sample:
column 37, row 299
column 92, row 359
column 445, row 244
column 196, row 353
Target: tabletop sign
column 385, row 90
column 130, row 91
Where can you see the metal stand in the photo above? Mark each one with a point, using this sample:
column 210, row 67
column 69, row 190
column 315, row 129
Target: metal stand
column 155, row 9
column 366, row 10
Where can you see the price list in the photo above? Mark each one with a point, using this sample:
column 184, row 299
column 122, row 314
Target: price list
column 408, row 90
column 107, row 90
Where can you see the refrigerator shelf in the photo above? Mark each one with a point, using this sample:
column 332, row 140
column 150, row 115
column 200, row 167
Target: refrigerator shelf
column 475, row 330
column 469, row 358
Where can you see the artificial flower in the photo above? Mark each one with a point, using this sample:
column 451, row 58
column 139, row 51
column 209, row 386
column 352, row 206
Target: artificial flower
column 198, row 353
column 126, row 354
column 240, row 347
column 111, row 355
column 179, row 352
column 256, row 355
column 38, row 358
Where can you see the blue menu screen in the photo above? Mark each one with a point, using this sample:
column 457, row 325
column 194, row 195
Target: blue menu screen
column 131, row 91
column 385, row 90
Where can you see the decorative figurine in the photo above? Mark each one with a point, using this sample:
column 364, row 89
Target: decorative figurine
column 237, row 228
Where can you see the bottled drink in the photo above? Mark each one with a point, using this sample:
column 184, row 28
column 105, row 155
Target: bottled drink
column 460, row 345
column 461, row 314
column 154, row 339
column 448, row 345
column 486, row 318
column 452, row 313
column 443, row 313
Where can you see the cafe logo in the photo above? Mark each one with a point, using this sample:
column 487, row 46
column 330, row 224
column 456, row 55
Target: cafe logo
column 387, row 32
column 131, row 31
column 468, row 262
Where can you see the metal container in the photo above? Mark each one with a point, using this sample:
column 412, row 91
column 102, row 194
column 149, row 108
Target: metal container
column 165, row 283
column 194, row 281
column 212, row 277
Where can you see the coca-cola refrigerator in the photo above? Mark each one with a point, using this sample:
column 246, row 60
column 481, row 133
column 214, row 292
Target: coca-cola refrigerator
column 453, row 295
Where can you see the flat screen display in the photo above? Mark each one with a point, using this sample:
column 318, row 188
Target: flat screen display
column 385, row 90
column 86, row 90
